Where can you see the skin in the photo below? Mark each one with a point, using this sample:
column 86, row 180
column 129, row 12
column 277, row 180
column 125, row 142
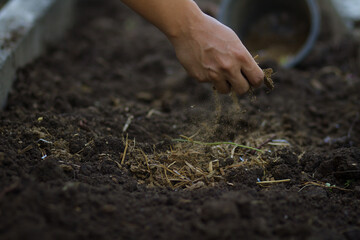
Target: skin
column 208, row 50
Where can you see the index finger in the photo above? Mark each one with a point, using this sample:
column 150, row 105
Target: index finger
column 252, row 72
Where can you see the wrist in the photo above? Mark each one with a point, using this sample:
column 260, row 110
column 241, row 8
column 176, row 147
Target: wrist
column 189, row 17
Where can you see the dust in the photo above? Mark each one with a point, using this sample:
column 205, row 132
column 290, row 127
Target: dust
column 218, row 107
column 217, row 145
column 228, row 113
column 236, row 105
column 206, row 156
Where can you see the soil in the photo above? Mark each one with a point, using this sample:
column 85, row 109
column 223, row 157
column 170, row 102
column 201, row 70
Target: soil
column 88, row 135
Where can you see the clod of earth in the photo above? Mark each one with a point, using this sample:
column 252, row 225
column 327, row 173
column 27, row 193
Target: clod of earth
column 269, row 83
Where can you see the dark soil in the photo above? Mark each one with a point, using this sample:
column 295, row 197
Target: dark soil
column 62, row 143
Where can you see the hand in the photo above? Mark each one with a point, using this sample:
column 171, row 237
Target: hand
column 212, row 52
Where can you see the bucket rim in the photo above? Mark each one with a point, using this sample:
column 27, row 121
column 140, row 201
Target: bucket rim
column 315, row 20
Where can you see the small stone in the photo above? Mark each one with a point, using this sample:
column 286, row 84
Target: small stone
column 197, row 185
column 144, row 96
column 66, row 168
column 78, row 209
column 226, row 162
column 315, row 192
column 76, row 144
column 108, row 208
column 70, row 186
column 281, row 171
column 86, row 169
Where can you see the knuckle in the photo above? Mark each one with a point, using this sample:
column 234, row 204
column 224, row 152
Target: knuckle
column 199, row 77
column 241, row 57
column 226, row 65
column 258, row 80
column 243, row 89
column 214, row 76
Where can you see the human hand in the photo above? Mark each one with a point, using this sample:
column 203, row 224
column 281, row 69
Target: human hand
column 212, row 52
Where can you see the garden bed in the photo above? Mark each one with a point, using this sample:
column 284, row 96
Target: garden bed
column 105, row 137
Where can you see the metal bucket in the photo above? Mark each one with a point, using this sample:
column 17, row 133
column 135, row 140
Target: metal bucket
column 280, row 30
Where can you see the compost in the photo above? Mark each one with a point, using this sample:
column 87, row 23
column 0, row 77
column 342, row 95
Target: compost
column 106, row 137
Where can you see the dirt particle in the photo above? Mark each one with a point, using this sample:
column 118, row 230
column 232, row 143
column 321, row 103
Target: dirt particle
column 108, row 208
column 219, row 209
column 226, row 162
column 76, row 144
column 144, row 96
column 281, row 171
column 269, row 83
column 48, row 170
column 86, row 169
column 315, row 192
column 66, row 168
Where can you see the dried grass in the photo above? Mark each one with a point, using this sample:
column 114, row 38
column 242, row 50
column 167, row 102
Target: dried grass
column 191, row 164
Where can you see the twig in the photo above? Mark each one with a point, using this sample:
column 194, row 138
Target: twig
column 217, row 143
column 148, row 167
column 118, row 164
column 195, row 134
column 28, row 148
column 167, row 178
column 87, row 144
column 279, row 144
column 126, row 147
column 274, row 181
column 152, row 112
column 45, row 141
column 233, row 152
column 127, row 123
column 264, row 143
column 184, row 177
column 324, row 185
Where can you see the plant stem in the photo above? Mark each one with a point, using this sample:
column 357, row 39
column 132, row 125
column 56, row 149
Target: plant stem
column 218, row 143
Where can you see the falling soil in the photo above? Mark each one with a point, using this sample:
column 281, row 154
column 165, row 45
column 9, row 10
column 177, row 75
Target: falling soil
column 105, row 137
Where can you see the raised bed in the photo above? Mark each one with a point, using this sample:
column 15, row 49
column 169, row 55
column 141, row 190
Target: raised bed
column 25, row 29
column 90, row 149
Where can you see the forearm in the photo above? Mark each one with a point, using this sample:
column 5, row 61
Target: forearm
column 208, row 50
column 173, row 17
